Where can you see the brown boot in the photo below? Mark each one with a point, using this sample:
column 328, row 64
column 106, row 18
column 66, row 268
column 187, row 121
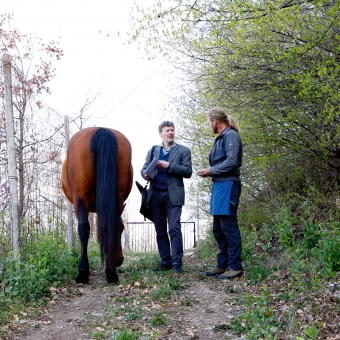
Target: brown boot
column 214, row 272
column 231, row 274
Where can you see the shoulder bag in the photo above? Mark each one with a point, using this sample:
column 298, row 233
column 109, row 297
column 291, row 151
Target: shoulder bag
column 145, row 208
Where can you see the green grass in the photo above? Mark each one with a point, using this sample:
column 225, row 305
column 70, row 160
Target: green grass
column 98, row 335
column 284, row 296
column 47, row 262
column 159, row 319
column 256, row 274
column 126, row 335
column 161, row 292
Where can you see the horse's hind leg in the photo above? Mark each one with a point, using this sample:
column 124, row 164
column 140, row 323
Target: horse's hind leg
column 111, row 275
column 84, row 233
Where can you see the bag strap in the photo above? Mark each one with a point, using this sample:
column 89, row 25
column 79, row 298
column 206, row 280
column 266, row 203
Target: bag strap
column 151, row 156
column 152, row 152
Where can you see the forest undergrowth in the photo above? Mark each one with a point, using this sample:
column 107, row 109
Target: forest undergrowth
column 293, row 293
column 290, row 288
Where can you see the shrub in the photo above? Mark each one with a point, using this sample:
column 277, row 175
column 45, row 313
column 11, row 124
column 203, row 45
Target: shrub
column 249, row 240
column 49, row 261
column 311, row 235
column 328, row 251
column 259, row 322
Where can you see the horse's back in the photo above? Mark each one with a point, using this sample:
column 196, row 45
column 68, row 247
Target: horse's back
column 78, row 177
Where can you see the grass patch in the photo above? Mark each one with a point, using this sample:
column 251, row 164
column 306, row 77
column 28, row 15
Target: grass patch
column 159, row 319
column 174, row 284
column 162, row 292
column 256, row 274
column 126, row 335
column 284, row 296
column 98, row 335
column 133, row 316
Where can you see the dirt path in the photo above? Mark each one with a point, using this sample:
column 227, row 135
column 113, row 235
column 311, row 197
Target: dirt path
column 210, row 312
column 193, row 309
column 148, row 305
column 67, row 315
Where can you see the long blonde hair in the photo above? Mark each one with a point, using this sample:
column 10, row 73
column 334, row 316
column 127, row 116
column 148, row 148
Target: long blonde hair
column 219, row 114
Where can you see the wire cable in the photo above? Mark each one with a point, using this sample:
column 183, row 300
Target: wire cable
column 130, row 93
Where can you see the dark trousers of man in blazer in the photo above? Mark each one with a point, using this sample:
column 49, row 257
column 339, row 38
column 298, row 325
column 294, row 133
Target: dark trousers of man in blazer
column 166, row 196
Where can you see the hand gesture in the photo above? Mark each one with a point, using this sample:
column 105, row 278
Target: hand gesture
column 204, row 173
column 162, row 164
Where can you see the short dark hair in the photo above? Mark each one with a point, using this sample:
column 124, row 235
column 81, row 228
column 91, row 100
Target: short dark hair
column 166, row 123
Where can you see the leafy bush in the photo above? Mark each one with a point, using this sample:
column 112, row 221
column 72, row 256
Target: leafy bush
column 249, row 240
column 259, row 322
column 328, row 251
column 284, row 228
column 49, row 261
column 312, row 235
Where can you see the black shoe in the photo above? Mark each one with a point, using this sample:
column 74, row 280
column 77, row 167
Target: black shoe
column 162, row 268
column 177, row 269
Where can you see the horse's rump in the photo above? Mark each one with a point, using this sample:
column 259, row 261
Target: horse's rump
column 97, row 177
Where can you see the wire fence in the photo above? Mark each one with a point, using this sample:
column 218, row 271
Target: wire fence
column 140, row 237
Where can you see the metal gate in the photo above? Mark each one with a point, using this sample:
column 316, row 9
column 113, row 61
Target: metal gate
column 140, row 237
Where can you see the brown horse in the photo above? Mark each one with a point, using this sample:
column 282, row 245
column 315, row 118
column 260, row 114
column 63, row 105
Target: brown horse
column 97, row 177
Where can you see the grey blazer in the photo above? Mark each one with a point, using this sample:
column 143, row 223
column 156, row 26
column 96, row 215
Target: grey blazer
column 180, row 159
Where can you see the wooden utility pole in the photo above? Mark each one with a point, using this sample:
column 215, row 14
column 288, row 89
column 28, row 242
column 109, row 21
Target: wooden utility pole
column 198, row 216
column 70, row 237
column 12, row 168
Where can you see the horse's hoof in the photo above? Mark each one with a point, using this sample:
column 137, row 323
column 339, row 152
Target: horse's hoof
column 83, row 277
column 112, row 279
column 112, row 283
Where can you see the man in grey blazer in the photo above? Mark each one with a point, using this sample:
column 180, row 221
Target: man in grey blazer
column 166, row 195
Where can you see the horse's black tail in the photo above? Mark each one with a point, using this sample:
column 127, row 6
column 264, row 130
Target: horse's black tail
column 105, row 149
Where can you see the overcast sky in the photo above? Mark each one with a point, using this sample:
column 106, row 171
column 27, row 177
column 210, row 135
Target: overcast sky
column 91, row 59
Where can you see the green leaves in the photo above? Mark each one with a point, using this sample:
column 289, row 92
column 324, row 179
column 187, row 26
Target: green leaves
column 257, row 321
column 311, row 333
column 49, row 261
column 273, row 66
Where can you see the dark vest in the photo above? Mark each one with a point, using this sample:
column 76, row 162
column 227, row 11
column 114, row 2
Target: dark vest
column 161, row 179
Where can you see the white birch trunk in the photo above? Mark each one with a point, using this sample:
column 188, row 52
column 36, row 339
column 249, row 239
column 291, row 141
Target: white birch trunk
column 12, row 169
column 70, row 236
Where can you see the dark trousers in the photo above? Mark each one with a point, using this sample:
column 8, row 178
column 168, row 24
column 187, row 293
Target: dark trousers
column 227, row 234
column 162, row 210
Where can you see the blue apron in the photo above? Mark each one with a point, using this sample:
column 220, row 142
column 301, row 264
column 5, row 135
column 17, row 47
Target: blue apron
column 220, row 198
